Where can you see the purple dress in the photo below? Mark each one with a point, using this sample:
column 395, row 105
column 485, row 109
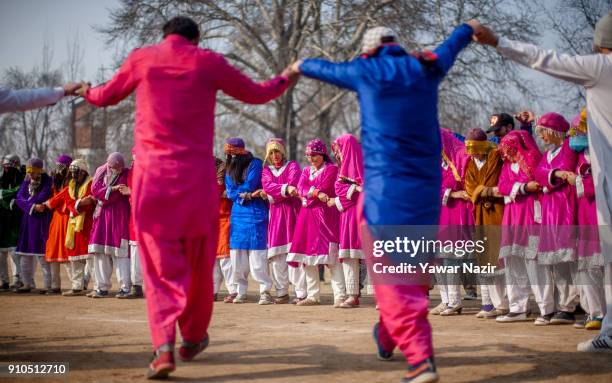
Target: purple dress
column 315, row 241
column 110, row 234
column 589, row 248
column 34, row 226
column 558, row 201
column 284, row 209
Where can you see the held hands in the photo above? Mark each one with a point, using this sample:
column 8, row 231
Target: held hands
column 460, row 194
column 292, row 72
column 39, row 208
column 71, row 88
column 323, row 197
column 292, row 191
column 525, row 117
column 570, row 177
column 83, row 88
column 331, row 202
column 483, row 35
column 123, row 189
column 533, row 187
column 89, row 200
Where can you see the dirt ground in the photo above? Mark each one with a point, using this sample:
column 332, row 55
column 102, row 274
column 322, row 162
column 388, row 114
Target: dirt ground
column 107, row 340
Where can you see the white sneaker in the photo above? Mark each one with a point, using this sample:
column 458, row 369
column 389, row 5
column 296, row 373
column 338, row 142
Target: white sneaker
column 513, row 317
column 601, row 343
column 265, row 299
column 438, row 309
column 240, row 298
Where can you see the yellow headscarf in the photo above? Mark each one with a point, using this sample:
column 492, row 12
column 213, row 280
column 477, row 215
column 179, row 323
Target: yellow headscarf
column 75, row 224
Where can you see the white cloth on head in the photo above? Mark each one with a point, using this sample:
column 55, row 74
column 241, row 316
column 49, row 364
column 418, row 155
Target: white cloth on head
column 372, row 39
column 255, row 261
column 16, row 100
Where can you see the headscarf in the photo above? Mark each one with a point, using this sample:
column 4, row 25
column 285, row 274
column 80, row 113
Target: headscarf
column 275, row 144
column 476, row 142
column 351, row 165
column 453, row 152
column 234, row 146
column 34, row 165
column 317, row 146
column 554, row 124
column 376, row 37
column 106, row 171
column 64, row 159
column 12, row 160
column 520, row 145
column 602, row 36
column 81, row 164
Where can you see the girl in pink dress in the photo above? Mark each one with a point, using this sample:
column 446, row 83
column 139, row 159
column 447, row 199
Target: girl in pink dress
column 315, row 241
column 557, row 246
column 348, row 187
column 276, row 178
column 520, row 223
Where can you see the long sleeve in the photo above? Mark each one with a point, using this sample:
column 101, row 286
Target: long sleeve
column 26, row 203
column 58, row 199
column 235, row 84
column 343, row 75
column 25, row 99
column 448, row 51
column 251, row 183
column 346, row 195
column 271, row 187
column 118, row 88
column 583, row 70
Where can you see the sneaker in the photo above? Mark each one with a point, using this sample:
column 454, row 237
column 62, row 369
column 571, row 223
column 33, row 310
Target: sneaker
column 53, row 292
column 122, row 294
column 283, row 299
column 339, row 301
column 136, row 292
column 563, row 317
column 543, row 320
column 101, row 294
column 593, row 324
column 424, row 372
column 297, row 300
column 351, row 303
column 161, row 365
column 265, row 299
column 230, row 298
column 23, row 290
column 452, row 310
column 73, row 293
column 308, row 302
column 601, row 343
column 513, row 317
column 485, row 311
column 188, row 351
column 470, row 295
column 438, row 309
column 240, row 299
column 381, row 353
column 5, row 287
column 579, row 324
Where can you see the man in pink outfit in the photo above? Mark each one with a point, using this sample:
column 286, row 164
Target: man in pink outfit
column 176, row 222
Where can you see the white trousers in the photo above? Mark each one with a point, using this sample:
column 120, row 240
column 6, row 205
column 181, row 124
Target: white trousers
column 136, row 270
column 280, row 274
column 450, row 294
column 550, row 280
column 606, row 327
column 297, row 277
column 223, row 272
column 517, row 284
column 350, row 268
column 255, row 261
column 493, row 292
column 5, row 255
column 590, row 284
column 76, row 272
column 103, row 270
column 56, row 278
column 28, row 269
column 313, row 283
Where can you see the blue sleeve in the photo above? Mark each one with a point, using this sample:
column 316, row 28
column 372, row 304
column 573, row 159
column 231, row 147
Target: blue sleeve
column 253, row 178
column 230, row 188
column 447, row 51
column 343, row 75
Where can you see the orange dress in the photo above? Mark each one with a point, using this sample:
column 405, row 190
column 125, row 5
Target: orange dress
column 79, row 221
column 225, row 209
column 55, row 250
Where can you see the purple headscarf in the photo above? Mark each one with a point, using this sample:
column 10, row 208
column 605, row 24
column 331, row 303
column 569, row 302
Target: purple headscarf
column 64, row 159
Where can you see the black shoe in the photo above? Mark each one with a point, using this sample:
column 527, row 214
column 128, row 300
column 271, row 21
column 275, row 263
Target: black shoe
column 136, row 292
column 23, row 290
column 563, row 317
column 122, row 294
column 381, row 353
column 42, row 291
column 5, row 287
column 424, row 372
column 53, row 292
column 16, row 286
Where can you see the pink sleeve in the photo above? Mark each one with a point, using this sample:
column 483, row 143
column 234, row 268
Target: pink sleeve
column 542, row 173
column 343, row 192
column 304, row 184
column 506, row 181
column 326, row 181
column 235, row 84
column 270, row 186
column 118, row 88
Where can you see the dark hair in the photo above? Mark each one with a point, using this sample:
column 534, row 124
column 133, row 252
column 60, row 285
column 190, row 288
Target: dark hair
column 237, row 165
column 183, row 26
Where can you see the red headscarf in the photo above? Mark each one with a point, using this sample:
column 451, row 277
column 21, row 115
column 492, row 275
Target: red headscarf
column 520, row 145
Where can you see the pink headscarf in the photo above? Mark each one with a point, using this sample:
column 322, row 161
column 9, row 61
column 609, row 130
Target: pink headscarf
column 553, row 123
column 454, row 150
column 520, row 145
column 114, row 159
column 352, row 157
column 317, row 146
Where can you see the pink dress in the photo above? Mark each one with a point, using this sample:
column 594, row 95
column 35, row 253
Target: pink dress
column 589, row 248
column 283, row 208
column 558, row 201
column 315, row 241
column 347, row 196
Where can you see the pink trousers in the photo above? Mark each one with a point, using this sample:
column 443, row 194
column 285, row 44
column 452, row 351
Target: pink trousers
column 178, row 280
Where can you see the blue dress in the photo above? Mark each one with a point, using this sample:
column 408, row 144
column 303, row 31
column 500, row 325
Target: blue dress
column 400, row 133
column 249, row 218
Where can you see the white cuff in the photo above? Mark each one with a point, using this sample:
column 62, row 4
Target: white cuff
column 284, row 190
column 338, row 204
column 350, row 191
column 507, row 200
column 537, row 211
column 445, row 197
column 270, row 199
column 310, row 191
column 579, row 186
column 108, row 192
column 1, row 190
column 516, row 188
column 32, row 209
column 304, row 202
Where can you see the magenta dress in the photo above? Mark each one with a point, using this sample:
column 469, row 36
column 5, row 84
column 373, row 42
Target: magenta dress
column 315, row 241
column 110, row 234
column 558, row 201
column 284, row 209
column 589, row 248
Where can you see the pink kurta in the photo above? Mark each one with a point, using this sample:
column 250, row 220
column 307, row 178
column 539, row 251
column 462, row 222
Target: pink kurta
column 520, row 227
column 558, row 201
column 175, row 200
column 589, row 248
column 315, row 240
column 284, row 209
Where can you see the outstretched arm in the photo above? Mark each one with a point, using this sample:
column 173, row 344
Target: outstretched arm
column 343, row 75
column 25, row 99
column 448, row 51
column 118, row 88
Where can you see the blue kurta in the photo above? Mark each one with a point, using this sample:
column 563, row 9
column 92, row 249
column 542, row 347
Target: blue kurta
column 400, row 131
column 249, row 218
